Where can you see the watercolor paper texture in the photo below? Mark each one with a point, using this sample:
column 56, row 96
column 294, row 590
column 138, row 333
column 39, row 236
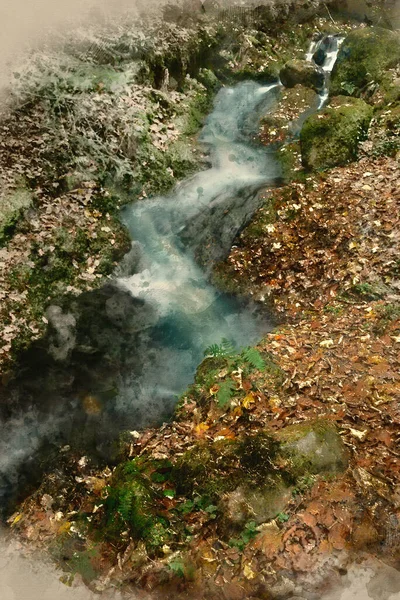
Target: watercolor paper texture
column 199, row 299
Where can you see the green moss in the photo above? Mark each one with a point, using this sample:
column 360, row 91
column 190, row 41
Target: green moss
column 332, row 137
column 387, row 314
column 257, row 454
column 207, row 470
column 313, row 447
column 12, row 207
column 364, row 58
column 289, row 157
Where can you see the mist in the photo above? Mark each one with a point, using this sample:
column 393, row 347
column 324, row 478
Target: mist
column 29, row 25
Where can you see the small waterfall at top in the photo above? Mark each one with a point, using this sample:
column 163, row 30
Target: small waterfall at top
column 324, row 53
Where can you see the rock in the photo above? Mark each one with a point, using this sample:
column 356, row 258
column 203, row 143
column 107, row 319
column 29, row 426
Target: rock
column 252, row 504
column 11, row 208
column 314, row 447
column 364, row 58
column 285, row 119
column 302, row 72
column 327, row 44
column 331, row 137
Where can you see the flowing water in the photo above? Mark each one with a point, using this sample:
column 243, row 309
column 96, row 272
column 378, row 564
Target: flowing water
column 134, row 345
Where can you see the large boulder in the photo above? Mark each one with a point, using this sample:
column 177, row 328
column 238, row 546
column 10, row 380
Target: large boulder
column 331, row 137
column 302, row 72
column 252, row 477
column 363, row 60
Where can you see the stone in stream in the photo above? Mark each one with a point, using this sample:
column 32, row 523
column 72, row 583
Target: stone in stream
column 302, row 72
column 327, row 44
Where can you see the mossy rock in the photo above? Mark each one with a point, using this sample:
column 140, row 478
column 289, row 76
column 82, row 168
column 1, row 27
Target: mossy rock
column 247, row 503
column 313, row 447
column 289, row 157
column 364, row 58
column 284, row 120
column 12, row 207
column 331, row 137
column 302, row 72
column 129, row 503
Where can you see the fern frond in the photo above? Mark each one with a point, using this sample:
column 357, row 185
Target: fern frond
column 254, row 358
column 225, row 393
column 224, row 349
column 125, row 504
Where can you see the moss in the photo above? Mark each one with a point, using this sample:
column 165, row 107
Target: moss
column 258, row 454
column 197, row 109
column 289, row 157
column 207, row 470
column 313, row 447
column 12, row 208
column 129, row 504
column 364, row 58
column 332, row 137
column 213, row 469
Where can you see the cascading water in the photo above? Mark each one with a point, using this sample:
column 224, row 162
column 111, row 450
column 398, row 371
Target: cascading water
column 328, row 48
column 139, row 351
column 191, row 314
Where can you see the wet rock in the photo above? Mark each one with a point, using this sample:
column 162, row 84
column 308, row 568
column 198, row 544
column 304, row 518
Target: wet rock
column 364, row 58
column 332, row 137
column 314, row 447
column 302, row 72
column 327, row 44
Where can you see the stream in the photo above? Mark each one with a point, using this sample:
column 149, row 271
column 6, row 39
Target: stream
column 118, row 358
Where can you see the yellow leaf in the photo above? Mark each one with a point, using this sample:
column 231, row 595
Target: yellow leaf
column 248, row 400
column 201, row 428
column 275, row 401
column 64, row 528
column 16, row 520
column 248, row 572
column 326, row 344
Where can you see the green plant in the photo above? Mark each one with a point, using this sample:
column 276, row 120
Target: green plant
column 249, row 533
column 177, row 566
column 282, row 517
column 253, row 357
column 225, row 393
column 224, row 349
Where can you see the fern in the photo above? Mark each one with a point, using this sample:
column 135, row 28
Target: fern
column 225, row 393
column 224, row 349
column 125, row 504
column 254, row 358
